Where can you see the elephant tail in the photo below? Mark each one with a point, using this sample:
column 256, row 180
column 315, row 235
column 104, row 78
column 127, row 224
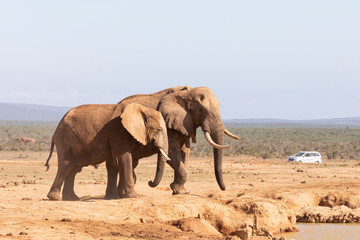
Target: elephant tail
column 51, row 151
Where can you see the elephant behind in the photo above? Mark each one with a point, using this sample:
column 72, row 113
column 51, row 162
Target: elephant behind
column 183, row 113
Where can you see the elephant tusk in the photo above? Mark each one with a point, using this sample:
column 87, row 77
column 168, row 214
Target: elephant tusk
column 212, row 143
column 164, row 154
column 231, row 135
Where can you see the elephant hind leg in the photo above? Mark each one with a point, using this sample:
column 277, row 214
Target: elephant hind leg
column 68, row 193
column 64, row 168
column 112, row 172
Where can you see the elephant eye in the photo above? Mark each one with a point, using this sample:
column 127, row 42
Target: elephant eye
column 159, row 130
column 196, row 108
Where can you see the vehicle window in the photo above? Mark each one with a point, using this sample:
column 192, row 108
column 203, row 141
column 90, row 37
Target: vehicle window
column 299, row 154
column 307, row 155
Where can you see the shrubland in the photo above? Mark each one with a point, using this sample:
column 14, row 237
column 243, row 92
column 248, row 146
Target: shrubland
column 263, row 142
column 332, row 143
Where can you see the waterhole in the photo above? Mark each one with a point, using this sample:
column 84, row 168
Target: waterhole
column 325, row 231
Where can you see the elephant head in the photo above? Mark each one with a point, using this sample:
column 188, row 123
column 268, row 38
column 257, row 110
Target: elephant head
column 185, row 111
column 147, row 126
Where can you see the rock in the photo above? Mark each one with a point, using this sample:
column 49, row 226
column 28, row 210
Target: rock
column 196, row 225
column 245, row 233
column 268, row 216
column 332, row 200
column 29, row 181
column 115, row 234
column 351, row 200
column 321, row 214
column 65, row 220
column 232, row 238
column 272, row 217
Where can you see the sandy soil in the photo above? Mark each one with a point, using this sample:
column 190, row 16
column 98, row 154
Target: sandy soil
column 263, row 197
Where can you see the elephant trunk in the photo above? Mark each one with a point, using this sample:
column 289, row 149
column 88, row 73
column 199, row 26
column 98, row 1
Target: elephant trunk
column 214, row 133
column 218, row 155
column 159, row 168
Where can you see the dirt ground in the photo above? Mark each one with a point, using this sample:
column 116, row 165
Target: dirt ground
column 263, row 197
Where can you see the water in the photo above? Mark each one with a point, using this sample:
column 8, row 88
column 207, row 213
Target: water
column 325, row 231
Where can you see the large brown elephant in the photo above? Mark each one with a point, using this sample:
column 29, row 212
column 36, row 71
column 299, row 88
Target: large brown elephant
column 150, row 101
column 184, row 111
column 91, row 134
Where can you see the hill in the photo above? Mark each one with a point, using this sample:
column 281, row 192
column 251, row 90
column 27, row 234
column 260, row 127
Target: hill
column 275, row 123
column 31, row 112
column 16, row 112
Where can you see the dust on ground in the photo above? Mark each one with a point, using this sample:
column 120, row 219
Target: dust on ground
column 263, row 197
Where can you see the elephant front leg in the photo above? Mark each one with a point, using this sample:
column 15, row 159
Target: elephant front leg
column 121, row 190
column 180, row 177
column 126, row 183
column 179, row 157
column 112, row 172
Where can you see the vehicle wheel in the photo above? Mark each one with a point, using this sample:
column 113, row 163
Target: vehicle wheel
column 317, row 162
column 299, row 161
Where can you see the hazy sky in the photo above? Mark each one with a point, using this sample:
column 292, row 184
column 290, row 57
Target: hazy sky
column 263, row 59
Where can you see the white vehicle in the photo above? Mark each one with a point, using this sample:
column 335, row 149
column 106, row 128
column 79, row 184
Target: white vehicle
column 306, row 157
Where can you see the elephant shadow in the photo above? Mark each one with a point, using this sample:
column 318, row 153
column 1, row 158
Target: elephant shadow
column 86, row 198
column 91, row 198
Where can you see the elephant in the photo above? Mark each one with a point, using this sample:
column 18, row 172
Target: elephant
column 91, row 134
column 150, row 101
column 26, row 140
column 184, row 111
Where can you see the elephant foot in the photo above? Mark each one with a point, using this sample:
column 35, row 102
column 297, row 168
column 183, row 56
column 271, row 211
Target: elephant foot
column 70, row 197
column 109, row 196
column 54, row 195
column 178, row 188
column 129, row 194
column 121, row 192
column 176, row 193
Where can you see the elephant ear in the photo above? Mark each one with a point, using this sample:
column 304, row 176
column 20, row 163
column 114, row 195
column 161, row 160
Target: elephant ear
column 134, row 121
column 175, row 110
